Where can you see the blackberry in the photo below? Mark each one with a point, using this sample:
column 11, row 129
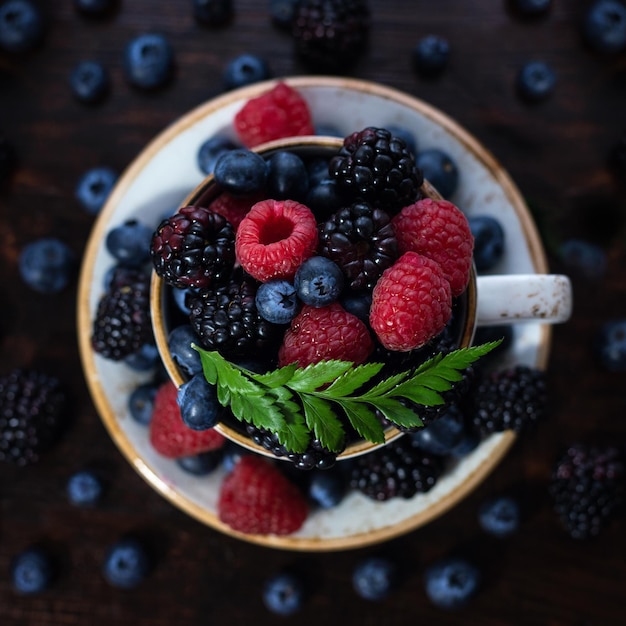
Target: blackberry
column 510, row 399
column 226, row 319
column 587, row 487
column 361, row 240
column 314, row 457
column 398, row 470
column 378, row 167
column 193, row 248
column 32, row 415
column 122, row 324
column 329, row 34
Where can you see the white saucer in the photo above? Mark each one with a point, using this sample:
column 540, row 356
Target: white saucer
column 165, row 173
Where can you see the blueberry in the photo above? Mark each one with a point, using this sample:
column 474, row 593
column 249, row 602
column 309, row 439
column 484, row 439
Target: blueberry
column 211, row 150
column 451, row 583
column 283, row 594
column 374, row 578
column 282, row 12
column 488, row 241
column 326, row 489
column 604, row 26
column 583, row 257
column 126, row 564
column 144, row 359
column 241, row 172
column 90, row 82
column 213, row 12
column 129, row 243
column 287, row 176
column 535, row 81
column 444, row 434
column 276, row 301
column 318, row 281
column 231, row 453
column 95, row 8
column 149, row 61
column 141, row 402
column 358, row 304
column 531, row 8
column 47, row 265
column 179, row 342
column 468, row 442
column 245, row 69
column 32, row 571
column 439, row 170
column 200, row 464
column 94, row 187
column 21, row 26
column 500, row 516
column 182, row 298
column 317, row 170
column 199, row 407
column 8, row 159
column 84, row 488
column 431, row 55
column 610, row 345
column 324, row 198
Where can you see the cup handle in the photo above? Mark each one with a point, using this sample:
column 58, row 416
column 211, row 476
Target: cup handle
column 514, row 298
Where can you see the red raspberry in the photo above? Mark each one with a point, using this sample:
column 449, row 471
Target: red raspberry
column 329, row 332
column 439, row 230
column 411, row 303
column 256, row 498
column 275, row 238
column 233, row 208
column 168, row 433
column 280, row 112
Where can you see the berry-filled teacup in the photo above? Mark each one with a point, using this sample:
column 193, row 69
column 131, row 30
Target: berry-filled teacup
column 315, row 298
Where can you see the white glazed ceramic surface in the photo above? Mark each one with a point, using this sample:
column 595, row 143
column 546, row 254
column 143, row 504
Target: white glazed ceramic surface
column 165, row 173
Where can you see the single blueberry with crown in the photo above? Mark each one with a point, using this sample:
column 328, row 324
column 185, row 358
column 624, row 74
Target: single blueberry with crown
column 287, row 176
column 245, row 69
column 93, row 188
column 126, row 564
column 241, row 172
column 439, row 169
column 604, row 26
column 488, row 241
column 21, row 26
column 318, row 281
column 211, row 150
column 90, row 82
column 451, row 583
column 283, row 594
column 47, row 265
column 32, row 571
column 276, row 301
column 179, row 342
column 149, row 61
column 85, row 488
column 535, row 81
column 199, row 406
column 431, row 55
column 500, row 516
column 129, row 243
column 374, row 578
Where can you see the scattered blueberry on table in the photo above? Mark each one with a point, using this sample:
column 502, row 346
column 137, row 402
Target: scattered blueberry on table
column 90, row 82
column 245, row 69
column 451, row 582
column 32, row 571
column 47, row 265
column 22, row 26
column 93, row 188
column 126, row 563
column 284, row 593
column 431, row 55
column 374, row 578
column 535, row 81
column 149, row 61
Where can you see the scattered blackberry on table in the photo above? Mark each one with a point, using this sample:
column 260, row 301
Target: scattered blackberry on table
column 450, row 583
column 604, row 26
column 489, row 241
column 47, row 265
column 22, row 26
column 284, row 593
column 508, row 399
column 330, row 35
column 315, row 457
column 32, row 571
column 374, row 578
column 431, row 55
column 226, row 319
column 361, row 240
column 90, row 82
column 398, row 470
column 85, row 488
column 587, row 488
column 245, row 69
column 193, row 248
column 535, row 81
column 32, row 415
column 129, row 243
column 375, row 166
column 439, row 169
column 148, row 61
column 211, row 150
column 213, row 12
column 122, row 323
column 93, row 188
column 610, row 345
column 126, row 564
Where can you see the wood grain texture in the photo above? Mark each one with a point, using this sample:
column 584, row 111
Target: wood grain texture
column 557, row 154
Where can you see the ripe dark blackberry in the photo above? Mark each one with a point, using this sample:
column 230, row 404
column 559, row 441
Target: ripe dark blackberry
column 193, row 248
column 509, row 399
column 587, row 487
column 226, row 319
column 398, row 470
column 378, row 167
column 330, row 34
column 361, row 241
column 122, row 322
column 314, row 457
column 32, row 415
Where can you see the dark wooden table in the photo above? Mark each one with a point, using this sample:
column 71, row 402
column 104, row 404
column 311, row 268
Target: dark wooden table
column 556, row 152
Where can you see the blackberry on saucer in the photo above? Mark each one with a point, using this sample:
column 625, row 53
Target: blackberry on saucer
column 398, row 470
column 226, row 319
column 378, row 167
column 587, row 488
column 508, row 399
column 361, row 240
column 193, row 248
column 32, row 415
